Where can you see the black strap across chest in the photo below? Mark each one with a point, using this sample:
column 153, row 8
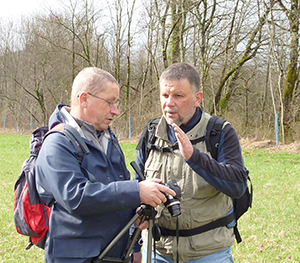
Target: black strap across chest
column 173, row 147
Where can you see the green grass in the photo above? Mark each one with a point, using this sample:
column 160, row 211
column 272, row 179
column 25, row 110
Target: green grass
column 130, row 153
column 14, row 150
column 270, row 230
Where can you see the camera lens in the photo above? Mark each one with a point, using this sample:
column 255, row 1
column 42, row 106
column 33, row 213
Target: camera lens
column 173, row 206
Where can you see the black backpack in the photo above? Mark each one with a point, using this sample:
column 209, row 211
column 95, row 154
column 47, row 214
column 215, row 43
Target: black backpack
column 211, row 138
column 31, row 214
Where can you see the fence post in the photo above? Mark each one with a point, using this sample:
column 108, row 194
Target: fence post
column 276, row 129
column 129, row 120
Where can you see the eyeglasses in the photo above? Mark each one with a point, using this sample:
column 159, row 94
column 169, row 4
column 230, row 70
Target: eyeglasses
column 111, row 103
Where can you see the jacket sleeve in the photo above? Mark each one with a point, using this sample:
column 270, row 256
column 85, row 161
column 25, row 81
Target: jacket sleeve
column 227, row 173
column 58, row 172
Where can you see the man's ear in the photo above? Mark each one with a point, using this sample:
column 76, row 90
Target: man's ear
column 199, row 97
column 83, row 99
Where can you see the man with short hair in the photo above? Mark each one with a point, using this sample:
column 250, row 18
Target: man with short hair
column 207, row 185
column 88, row 209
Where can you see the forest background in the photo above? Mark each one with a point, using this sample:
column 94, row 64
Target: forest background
column 245, row 51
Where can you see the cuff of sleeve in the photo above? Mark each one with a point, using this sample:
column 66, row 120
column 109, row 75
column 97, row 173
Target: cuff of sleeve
column 194, row 157
column 136, row 248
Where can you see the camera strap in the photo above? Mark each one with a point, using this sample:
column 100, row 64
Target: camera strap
column 177, row 240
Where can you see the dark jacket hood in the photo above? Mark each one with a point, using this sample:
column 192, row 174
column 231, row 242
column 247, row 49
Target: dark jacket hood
column 57, row 117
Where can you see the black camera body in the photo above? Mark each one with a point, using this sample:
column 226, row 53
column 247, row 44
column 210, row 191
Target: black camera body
column 173, row 203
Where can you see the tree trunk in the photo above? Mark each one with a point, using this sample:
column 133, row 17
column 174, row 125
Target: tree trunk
column 292, row 73
column 233, row 73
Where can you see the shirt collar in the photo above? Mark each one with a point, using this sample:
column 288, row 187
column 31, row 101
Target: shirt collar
column 185, row 127
column 193, row 121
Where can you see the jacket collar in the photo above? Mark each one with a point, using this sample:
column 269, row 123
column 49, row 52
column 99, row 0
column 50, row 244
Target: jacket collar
column 193, row 121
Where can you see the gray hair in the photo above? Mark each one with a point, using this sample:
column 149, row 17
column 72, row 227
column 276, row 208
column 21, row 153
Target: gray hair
column 91, row 79
column 179, row 71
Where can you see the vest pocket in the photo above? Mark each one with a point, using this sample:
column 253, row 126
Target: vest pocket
column 201, row 189
column 154, row 171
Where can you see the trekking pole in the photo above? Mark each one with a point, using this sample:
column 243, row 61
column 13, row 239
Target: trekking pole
column 149, row 243
column 146, row 211
column 151, row 215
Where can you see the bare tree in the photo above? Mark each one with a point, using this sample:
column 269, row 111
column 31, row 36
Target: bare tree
column 204, row 25
column 293, row 15
column 163, row 29
column 178, row 19
column 77, row 26
column 239, row 60
column 130, row 11
column 251, row 48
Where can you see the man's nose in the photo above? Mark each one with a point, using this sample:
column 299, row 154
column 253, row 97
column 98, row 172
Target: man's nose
column 170, row 101
column 115, row 110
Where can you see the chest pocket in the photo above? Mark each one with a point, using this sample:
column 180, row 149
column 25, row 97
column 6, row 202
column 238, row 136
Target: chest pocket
column 154, row 170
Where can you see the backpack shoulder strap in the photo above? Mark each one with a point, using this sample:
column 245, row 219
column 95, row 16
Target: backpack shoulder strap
column 147, row 137
column 75, row 138
column 77, row 141
column 211, row 138
column 213, row 135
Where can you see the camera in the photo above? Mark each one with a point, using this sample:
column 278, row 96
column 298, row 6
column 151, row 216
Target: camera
column 173, row 203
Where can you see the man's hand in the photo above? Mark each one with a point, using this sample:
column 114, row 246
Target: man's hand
column 152, row 192
column 137, row 257
column 185, row 146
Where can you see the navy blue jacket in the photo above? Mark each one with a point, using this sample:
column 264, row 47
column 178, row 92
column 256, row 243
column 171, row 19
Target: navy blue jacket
column 87, row 214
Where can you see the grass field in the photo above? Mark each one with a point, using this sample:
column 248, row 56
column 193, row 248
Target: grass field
column 270, row 230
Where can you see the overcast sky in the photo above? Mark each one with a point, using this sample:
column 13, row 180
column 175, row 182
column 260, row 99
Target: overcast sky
column 17, row 8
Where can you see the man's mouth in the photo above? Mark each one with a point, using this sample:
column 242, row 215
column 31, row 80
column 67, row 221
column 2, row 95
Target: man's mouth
column 171, row 113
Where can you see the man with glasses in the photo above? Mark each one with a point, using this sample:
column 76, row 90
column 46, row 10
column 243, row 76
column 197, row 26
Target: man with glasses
column 89, row 208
